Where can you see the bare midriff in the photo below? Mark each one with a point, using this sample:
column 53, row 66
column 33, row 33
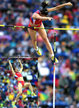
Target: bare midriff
column 34, row 25
column 20, row 79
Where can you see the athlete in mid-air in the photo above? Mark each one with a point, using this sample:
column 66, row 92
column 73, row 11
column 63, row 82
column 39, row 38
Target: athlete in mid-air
column 36, row 21
column 21, row 84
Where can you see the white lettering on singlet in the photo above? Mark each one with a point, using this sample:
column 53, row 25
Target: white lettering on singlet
column 34, row 21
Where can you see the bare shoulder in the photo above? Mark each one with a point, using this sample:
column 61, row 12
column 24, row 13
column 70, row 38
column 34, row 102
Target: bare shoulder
column 35, row 14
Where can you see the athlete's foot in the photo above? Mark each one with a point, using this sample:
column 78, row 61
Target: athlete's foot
column 33, row 94
column 38, row 51
column 56, row 60
column 13, row 103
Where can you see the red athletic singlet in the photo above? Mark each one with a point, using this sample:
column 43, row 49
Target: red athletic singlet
column 17, row 75
column 36, row 22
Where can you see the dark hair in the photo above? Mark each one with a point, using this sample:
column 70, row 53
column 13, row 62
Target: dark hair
column 44, row 4
column 43, row 9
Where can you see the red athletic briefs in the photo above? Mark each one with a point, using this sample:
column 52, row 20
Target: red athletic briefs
column 37, row 22
column 18, row 75
column 22, row 82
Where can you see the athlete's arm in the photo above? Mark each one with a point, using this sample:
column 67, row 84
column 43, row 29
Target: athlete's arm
column 11, row 68
column 37, row 16
column 20, row 66
column 59, row 7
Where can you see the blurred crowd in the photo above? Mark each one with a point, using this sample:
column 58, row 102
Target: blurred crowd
column 17, row 42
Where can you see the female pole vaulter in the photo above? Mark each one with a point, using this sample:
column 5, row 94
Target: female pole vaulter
column 21, row 84
column 36, row 21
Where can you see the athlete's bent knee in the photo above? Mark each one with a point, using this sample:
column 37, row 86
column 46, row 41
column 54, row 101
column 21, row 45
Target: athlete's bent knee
column 45, row 39
column 34, row 40
column 20, row 92
column 29, row 84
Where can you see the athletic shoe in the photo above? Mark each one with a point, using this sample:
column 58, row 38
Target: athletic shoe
column 56, row 60
column 33, row 94
column 13, row 104
column 38, row 51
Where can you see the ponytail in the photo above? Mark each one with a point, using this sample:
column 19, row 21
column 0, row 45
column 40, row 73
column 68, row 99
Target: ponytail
column 44, row 8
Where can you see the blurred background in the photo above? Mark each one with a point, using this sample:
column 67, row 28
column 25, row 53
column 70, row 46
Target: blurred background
column 17, row 42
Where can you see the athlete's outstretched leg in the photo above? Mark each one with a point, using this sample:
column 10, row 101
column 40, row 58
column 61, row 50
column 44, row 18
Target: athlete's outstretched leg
column 43, row 34
column 32, row 33
column 20, row 91
column 30, row 87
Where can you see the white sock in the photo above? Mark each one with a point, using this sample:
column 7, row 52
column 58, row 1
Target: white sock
column 32, row 92
column 52, row 55
column 36, row 49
